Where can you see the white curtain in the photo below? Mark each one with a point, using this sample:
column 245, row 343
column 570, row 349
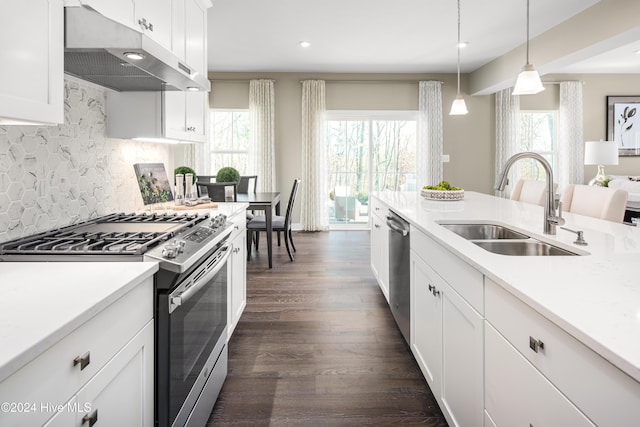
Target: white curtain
column 262, row 131
column 429, row 144
column 571, row 142
column 507, row 130
column 313, row 211
column 196, row 157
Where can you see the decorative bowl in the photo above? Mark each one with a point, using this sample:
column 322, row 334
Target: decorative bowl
column 442, row 194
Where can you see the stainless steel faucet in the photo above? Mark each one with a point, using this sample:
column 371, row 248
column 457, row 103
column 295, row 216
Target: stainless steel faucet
column 550, row 217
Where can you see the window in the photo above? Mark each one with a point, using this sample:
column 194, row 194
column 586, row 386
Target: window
column 367, row 151
column 229, row 140
column 538, row 133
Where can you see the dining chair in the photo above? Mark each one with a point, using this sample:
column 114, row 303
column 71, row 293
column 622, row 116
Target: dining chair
column 216, row 191
column 278, row 224
column 245, row 183
column 531, row 191
column 594, row 201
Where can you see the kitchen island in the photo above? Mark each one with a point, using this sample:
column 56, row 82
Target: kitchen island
column 593, row 299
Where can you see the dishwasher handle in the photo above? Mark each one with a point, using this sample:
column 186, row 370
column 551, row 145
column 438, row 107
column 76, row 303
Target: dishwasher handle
column 395, row 227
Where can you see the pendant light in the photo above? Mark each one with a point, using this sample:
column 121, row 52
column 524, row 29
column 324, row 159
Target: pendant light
column 528, row 82
column 459, row 107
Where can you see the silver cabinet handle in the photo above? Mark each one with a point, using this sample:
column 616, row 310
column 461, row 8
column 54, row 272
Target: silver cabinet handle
column 535, row 344
column 376, row 225
column 91, row 418
column 83, row 360
column 434, row 290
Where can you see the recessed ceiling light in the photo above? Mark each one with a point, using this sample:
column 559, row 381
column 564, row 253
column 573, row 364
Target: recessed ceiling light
column 305, row 43
column 192, row 88
column 462, row 44
column 134, row 55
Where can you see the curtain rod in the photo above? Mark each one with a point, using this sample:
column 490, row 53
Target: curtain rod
column 375, row 81
column 237, row 80
column 557, row 83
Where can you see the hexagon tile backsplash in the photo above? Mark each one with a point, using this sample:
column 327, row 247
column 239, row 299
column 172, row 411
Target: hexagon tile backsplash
column 52, row 176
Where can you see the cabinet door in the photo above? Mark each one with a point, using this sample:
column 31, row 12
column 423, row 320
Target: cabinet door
column 196, row 36
column 238, row 283
column 463, row 360
column 196, row 106
column 380, row 253
column 120, row 11
column 426, row 321
column 31, row 75
column 178, row 29
column 121, row 394
column 153, row 18
column 175, row 111
column 518, row 395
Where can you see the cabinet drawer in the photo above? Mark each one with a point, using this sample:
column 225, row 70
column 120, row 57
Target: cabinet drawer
column 586, row 378
column 379, row 209
column 52, row 379
column 516, row 394
column 463, row 278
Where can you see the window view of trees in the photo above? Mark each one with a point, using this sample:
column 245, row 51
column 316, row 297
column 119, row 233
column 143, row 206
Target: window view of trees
column 365, row 155
column 538, row 133
column 229, row 140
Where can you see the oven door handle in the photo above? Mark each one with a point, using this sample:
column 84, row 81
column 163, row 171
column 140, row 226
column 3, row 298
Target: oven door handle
column 177, row 298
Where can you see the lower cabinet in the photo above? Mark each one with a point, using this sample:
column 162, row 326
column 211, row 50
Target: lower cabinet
column 102, row 370
column 518, row 395
column 119, row 394
column 237, row 291
column 380, row 246
column 447, row 342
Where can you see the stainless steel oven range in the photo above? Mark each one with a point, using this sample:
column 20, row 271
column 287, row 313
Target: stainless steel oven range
column 190, row 295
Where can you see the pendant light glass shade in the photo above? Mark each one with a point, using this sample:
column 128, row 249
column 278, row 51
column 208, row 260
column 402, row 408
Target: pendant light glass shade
column 528, row 81
column 459, row 107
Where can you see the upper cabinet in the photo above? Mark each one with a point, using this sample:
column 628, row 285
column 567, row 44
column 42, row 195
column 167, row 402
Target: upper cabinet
column 153, row 18
column 31, row 76
column 121, row 11
column 189, row 32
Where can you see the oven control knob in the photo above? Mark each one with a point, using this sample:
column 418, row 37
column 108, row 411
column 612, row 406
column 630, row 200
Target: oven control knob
column 172, row 249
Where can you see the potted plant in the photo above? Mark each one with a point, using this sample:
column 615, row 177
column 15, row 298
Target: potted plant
column 228, row 174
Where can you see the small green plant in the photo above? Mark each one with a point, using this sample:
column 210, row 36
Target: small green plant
column 228, row 174
column 442, row 186
column 184, row 170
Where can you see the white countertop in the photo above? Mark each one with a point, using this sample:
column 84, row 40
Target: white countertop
column 43, row 302
column 595, row 297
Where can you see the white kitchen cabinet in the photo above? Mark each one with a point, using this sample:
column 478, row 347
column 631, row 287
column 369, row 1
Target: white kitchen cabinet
column 237, row 292
column 518, row 395
column 112, row 349
column 32, row 71
column 380, row 245
column 119, row 395
column 153, row 18
column 552, row 356
column 189, row 32
column 186, row 115
column 177, row 116
column 447, row 341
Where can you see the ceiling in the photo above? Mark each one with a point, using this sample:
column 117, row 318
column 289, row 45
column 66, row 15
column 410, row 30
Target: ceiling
column 385, row 36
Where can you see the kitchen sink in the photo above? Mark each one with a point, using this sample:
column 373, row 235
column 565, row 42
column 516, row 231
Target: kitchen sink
column 503, row 240
column 529, row 247
column 484, row 231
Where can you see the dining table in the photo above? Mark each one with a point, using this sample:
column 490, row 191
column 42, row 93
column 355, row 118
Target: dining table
column 268, row 202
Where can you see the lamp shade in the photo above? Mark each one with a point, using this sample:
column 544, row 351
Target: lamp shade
column 459, row 107
column 528, row 82
column 600, row 153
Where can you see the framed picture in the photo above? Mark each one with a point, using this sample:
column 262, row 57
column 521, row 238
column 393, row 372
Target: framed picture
column 623, row 124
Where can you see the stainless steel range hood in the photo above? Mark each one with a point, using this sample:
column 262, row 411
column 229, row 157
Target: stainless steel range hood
column 95, row 48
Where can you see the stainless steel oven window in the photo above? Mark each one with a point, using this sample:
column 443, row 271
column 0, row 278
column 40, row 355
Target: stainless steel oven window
column 197, row 320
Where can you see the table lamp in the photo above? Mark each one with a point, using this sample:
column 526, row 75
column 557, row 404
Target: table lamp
column 600, row 153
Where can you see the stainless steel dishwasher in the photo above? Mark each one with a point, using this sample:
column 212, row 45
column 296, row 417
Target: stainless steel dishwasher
column 399, row 272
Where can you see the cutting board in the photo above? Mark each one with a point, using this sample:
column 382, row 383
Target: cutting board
column 200, row 206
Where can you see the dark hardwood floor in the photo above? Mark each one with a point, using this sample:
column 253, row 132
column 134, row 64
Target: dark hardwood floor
column 318, row 346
